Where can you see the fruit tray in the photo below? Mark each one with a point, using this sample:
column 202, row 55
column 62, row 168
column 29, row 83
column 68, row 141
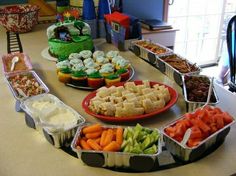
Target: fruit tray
column 192, row 153
column 195, row 94
column 172, row 71
column 42, row 113
column 148, row 50
column 116, row 159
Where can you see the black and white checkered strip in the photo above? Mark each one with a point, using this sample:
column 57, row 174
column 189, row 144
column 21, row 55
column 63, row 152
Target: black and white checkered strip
column 13, row 43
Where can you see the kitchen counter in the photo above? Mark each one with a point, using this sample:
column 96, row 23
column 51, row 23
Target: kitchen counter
column 25, row 152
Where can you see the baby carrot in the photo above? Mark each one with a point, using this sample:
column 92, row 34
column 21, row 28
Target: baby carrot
column 112, row 147
column 119, row 135
column 103, row 137
column 93, row 135
column 98, row 140
column 114, row 134
column 84, row 145
column 109, row 137
column 92, row 128
column 93, row 144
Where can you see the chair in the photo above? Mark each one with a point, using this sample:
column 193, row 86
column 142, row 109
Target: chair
column 231, row 44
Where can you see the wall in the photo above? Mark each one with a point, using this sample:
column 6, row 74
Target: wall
column 144, row 9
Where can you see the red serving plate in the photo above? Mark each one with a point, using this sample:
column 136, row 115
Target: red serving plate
column 173, row 94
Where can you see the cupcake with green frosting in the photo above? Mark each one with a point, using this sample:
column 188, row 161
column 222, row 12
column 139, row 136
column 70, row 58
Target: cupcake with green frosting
column 112, row 79
column 62, row 65
column 124, row 74
column 64, row 74
column 79, row 78
column 95, row 80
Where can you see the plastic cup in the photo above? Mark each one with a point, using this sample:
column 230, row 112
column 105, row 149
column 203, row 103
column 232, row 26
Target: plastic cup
column 101, row 29
column 93, row 26
column 88, row 10
column 103, row 8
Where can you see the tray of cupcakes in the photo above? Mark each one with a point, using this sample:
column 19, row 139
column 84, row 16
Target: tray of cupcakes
column 87, row 70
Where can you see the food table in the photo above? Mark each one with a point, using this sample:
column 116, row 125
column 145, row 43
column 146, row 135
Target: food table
column 24, row 151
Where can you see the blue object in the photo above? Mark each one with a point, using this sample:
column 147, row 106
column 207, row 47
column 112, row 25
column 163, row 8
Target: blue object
column 144, row 9
column 62, row 35
column 135, row 27
column 103, row 8
column 88, row 10
column 116, row 34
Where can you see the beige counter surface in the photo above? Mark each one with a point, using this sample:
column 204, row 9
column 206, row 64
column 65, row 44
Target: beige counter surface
column 25, row 152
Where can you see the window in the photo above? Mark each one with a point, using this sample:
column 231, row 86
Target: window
column 200, row 24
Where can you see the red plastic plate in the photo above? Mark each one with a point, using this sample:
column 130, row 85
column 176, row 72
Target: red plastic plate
column 173, row 94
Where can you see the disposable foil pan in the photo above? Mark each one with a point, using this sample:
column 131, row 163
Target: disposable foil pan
column 57, row 136
column 171, row 72
column 30, row 73
column 138, row 162
column 22, row 56
column 193, row 105
column 147, row 54
column 188, row 154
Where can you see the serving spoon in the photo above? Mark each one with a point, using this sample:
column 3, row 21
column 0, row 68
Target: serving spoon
column 209, row 93
column 187, row 135
column 13, row 62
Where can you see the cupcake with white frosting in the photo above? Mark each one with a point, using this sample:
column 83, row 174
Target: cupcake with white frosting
column 91, row 71
column 112, row 54
column 62, row 65
column 92, row 64
column 97, row 54
column 74, row 56
column 78, row 67
column 74, row 62
column 122, row 63
column 115, row 59
column 85, row 54
column 64, row 71
column 106, row 69
column 100, row 60
column 88, row 60
column 78, row 75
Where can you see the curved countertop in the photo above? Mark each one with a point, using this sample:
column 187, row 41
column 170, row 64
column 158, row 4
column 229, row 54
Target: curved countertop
column 25, row 152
